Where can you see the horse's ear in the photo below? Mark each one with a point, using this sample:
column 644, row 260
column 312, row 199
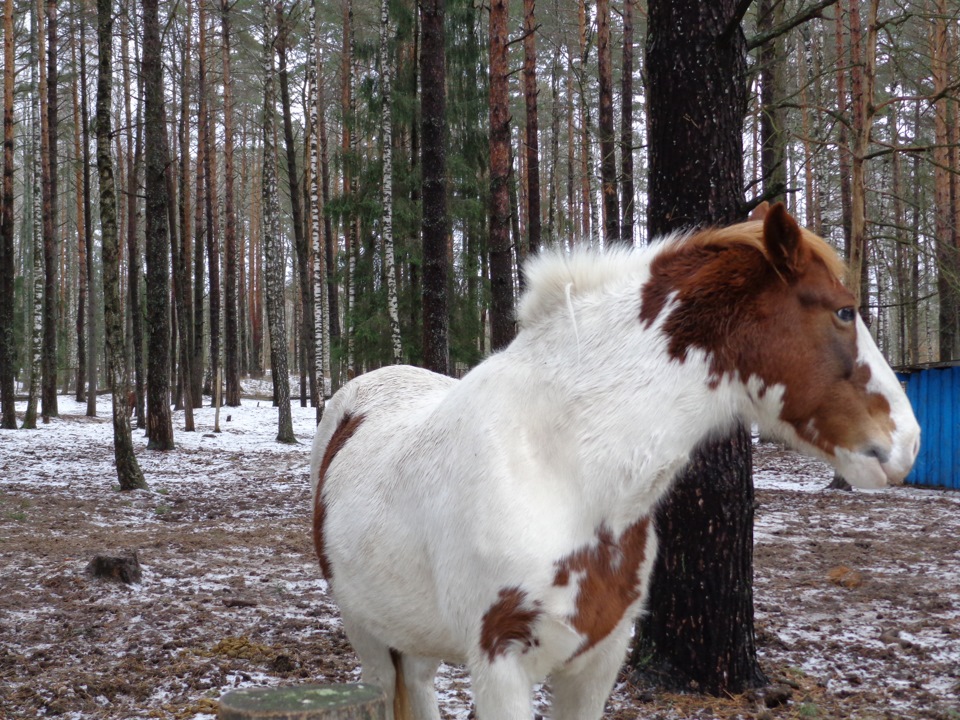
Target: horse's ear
column 783, row 240
column 760, row 211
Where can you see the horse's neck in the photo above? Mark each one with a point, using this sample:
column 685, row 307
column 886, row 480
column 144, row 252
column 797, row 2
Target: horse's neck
column 632, row 414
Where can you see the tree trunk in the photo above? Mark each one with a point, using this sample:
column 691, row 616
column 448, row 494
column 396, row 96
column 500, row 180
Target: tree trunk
column 82, row 290
column 386, row 133
column 433, row 68
column 533, row 126
column 8, row 415
column 843, row 142
column 307, row 339
column 35, row 207
column 93, row 347
column 276, row 321
column 48, row 390
column 199, row 236
column 181, row 261
column 773, row 131
column 320, row 326
column 231, row 350
column 608, row 155
column 134, row 159
column 159, row 423
column 699, row 630
column 502, row 325
column 128, row 469
column 948, row 264
column 628, row 193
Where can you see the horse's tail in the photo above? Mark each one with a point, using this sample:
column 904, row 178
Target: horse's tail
column 401, row 701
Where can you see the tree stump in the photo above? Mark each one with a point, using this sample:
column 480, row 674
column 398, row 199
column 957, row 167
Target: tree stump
column 305, row 702
column 125, row 568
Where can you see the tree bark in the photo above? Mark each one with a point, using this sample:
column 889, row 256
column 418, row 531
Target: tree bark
column 181, row 261
column 628, row 193
column 307, row 339
column 134, row 159
column 386, row 139
column 773, row 131
column 533, row 126
column 231, row 349
column 502, row 324
column 699, row 630
column 317, row 227
column 128, row 469
column 159, row 422
column 433, row 68
column 93, row 347
column 608, row 155
column 48, row 390
column 271, row 242
column 35, row 207
column 82, row 290
column 8, row 416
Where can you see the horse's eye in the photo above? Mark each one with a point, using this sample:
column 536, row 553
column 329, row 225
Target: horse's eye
column 847, row 314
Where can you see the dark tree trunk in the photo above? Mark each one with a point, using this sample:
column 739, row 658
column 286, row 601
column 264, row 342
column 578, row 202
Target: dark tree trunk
column 199, row 227
column 533, row 126
column 181, row 260
column 699, row 630
column 231, row 350
column 307, row 326
column 433, row 162
column 626, row 129
column 159, row 424
column 773, row 132
column 134, row 162
column 502, row 324
column 93, row 347
column 48, row 388
column 128, row 470
column 333, row 289
column 8, row 421
column 608, row 157
column 83, row 290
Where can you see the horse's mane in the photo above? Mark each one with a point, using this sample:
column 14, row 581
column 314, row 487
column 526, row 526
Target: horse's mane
column 554, row 276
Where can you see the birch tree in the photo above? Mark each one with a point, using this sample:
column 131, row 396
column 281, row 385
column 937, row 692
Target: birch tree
column 276, row 321
column 320, row 328
column 128, row 469
column 386, row 139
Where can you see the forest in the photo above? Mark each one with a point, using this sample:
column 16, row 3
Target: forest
column 320, row 189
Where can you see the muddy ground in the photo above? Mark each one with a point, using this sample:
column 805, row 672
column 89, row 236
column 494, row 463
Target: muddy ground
column 857, row 594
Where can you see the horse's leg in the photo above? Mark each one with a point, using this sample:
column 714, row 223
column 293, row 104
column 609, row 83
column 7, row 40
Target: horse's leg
column 419, row 674
column 581, row 688
column 501, row 690
column 376, row 664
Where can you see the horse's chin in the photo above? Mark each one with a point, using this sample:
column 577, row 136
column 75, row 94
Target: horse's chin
column 863, row 472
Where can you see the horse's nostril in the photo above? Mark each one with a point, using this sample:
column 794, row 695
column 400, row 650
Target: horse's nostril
column 881, row 454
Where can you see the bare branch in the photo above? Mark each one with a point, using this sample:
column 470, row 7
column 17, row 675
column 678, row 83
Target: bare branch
column 788, row 25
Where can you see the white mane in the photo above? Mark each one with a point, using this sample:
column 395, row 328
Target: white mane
column 556, row 275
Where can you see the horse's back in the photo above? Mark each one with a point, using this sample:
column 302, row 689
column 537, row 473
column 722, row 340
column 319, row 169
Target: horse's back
column 388, row 400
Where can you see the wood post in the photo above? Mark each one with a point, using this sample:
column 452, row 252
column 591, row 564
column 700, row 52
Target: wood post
column 305, row 702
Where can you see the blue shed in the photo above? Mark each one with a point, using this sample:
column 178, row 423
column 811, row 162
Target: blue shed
column 934, row 392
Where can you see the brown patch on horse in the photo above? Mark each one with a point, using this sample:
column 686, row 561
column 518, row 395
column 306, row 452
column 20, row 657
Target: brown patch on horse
column 609, row 582
column 345, row 429
column 508, row 621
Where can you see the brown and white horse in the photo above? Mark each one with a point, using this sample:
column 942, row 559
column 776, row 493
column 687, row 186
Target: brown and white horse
column 503, row 520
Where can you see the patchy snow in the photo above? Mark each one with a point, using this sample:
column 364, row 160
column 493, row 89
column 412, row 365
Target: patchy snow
column 231, row 595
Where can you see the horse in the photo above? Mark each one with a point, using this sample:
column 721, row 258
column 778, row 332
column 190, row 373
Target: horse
column 503, row 521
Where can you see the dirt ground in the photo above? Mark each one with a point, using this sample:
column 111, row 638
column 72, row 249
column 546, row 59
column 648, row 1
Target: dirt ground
column 857, row 594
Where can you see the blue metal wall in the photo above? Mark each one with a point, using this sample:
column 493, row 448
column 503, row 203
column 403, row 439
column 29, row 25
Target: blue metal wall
column 935, row 396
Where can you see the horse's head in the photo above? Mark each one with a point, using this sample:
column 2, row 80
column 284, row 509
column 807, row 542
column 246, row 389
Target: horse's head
column 766, row 301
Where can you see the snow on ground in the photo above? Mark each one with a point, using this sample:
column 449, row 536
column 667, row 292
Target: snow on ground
column 231, row 595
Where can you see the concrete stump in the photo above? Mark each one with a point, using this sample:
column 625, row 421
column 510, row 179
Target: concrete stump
column 305, row 702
